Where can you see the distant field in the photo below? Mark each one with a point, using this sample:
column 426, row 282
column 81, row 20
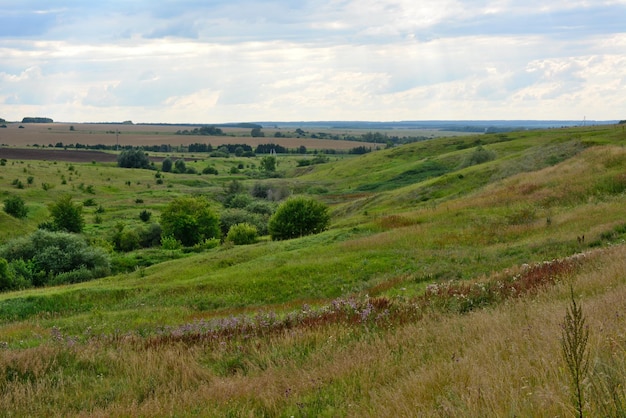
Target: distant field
column 140, row 135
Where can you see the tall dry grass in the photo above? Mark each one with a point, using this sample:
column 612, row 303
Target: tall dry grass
column 503, row 360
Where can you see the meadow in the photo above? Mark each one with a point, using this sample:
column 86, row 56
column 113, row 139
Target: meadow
column 439, row 289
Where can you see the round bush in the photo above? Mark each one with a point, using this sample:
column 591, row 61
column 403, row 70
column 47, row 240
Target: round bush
column 15, row 207
column 190, row 220
column 297, row 217
column 242, row 234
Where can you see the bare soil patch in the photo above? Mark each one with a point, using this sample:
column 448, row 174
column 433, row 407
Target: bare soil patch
column 77, row 156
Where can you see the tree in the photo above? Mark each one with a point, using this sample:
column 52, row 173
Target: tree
column 66, row 215
column 190, row 220
column 297, row 217
column 166, row 165
column 256, row 132
column 179, row 166
column 268, row 164
column 15, row 207
column 133, row 158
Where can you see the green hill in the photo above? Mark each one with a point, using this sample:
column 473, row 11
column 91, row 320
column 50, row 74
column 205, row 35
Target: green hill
column 437, row 291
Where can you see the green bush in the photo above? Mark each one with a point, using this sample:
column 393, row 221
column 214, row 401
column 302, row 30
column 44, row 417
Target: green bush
column 129, row 240
column 478, row 156
column 151, row 236
column 6, row 280
column 230, row 217
column 15, row 207
column 43, row 255
column 242, row 234
column 145, row 215
column 210, row 170
column 240, row 200
column 66, row 215
column 170, row 243
column 180, row 166
column 297, row 217
column 190, row 220
column 166, row 165
column 261, row 208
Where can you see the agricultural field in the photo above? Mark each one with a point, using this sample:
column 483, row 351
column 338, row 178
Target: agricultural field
column 44, row 134
column 439, row 286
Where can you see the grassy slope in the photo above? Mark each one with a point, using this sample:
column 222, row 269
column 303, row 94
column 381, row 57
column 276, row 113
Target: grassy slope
column 476, row 220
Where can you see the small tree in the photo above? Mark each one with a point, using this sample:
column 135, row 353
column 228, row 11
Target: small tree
column 66, row 215
column 15, row 207
column 166, row 166
column 256, row 132
column 190, row 220
column 179, row 166
column 297, row 217
column 145, row 215
column 268, row 164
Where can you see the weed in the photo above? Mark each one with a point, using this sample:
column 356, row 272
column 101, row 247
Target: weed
column 574, row 339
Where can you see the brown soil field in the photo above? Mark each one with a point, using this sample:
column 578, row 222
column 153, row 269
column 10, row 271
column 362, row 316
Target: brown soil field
column 45, row 134
column 46, row 154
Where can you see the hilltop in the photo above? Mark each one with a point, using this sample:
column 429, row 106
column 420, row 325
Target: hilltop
column 437, row 290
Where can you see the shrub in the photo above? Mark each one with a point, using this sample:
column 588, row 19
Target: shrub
column 210, row 170
column 45, row 254
column 242, row 234
column 297, row 217
column 230, row 217
column 6, row 280
column 66, row 215
column 170, row 243
column 151, row 236
column 180, row 166
column 240, row 200
column 260, row 190
column 129, row 240
column 479, row 156
column 145, row 215
column 190, row 220
column 261, row 208
column 166, row 165
column 15, row 207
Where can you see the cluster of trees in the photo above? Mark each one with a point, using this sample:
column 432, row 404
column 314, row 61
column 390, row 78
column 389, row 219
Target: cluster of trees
column 56, row 253
column 134, row 158
column 269, row 148
column 204, row 130
column 50, row 257
column 36, row 120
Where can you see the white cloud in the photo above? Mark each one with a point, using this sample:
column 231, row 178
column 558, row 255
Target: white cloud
column 197, row 61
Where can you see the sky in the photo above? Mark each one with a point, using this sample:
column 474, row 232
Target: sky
column 216, row 61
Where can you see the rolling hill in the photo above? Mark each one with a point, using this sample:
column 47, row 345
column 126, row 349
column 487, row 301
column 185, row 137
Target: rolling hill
column 439, row 290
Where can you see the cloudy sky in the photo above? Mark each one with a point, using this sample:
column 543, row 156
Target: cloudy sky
column 210, row 61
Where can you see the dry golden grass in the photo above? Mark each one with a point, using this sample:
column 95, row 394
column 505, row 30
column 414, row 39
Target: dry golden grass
column 499, row 361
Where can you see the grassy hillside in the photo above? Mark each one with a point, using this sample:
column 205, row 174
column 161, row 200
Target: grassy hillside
column 426, row 297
